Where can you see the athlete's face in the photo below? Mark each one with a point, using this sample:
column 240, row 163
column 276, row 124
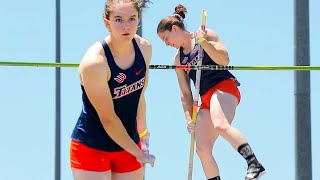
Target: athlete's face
column 123, row 21
column 171, row 38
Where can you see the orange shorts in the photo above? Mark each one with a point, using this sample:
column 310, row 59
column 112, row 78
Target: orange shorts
column 89, row 159
column 228, row 86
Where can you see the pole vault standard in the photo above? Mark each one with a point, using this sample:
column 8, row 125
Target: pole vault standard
column 57, row 153
column 302, row 103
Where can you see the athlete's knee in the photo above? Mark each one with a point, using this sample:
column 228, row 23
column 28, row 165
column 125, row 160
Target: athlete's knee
column 203, row 151
column 221, row 126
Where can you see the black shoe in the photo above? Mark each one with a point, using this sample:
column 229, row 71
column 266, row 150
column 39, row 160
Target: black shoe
column 255, row 171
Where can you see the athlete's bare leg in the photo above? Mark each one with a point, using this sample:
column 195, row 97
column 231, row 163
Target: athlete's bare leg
column 79, row 174
column 133, row 175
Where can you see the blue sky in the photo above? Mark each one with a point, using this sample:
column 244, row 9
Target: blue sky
column 254, row 32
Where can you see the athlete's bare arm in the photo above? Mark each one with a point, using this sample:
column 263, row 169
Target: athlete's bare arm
column 185, row 89
column 214, row 47
column 146, row 49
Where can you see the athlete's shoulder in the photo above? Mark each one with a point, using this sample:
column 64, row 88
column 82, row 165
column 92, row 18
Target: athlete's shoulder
column 142, row 42
column 176, row 58
column 212, row 35
column 94, row 59
column 94, row 54
column 145, row 47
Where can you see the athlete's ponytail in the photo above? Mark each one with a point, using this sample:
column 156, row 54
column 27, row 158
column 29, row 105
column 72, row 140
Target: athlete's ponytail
column 175, row 19
column 180, row 12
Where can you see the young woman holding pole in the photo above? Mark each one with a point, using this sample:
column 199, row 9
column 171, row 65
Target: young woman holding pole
column 218, row 90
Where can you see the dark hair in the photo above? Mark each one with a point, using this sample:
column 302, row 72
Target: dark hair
column 176, row 19
column 138, row 4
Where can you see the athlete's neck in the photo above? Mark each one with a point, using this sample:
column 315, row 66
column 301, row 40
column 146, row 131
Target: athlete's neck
column 188, row 41
column 120, row 48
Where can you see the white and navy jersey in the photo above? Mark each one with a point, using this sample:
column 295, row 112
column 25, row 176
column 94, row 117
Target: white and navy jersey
column 126, row 87
column 209, row 78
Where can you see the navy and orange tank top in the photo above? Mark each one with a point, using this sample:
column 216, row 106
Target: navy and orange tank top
column 209, row 78
column 125, row 87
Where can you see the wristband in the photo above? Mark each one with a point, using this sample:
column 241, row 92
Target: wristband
column 201, row 40
column 143, row 133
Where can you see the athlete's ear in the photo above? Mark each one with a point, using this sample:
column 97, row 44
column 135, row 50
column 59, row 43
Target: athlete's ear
column 107, row 23
column 174, row 28
column 139, row 26
column 139, row 19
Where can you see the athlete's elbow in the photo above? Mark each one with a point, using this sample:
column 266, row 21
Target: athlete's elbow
column 185, row 97
column 107, row 119
column 106, row 122
column 225, row 59
column 226, row 56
